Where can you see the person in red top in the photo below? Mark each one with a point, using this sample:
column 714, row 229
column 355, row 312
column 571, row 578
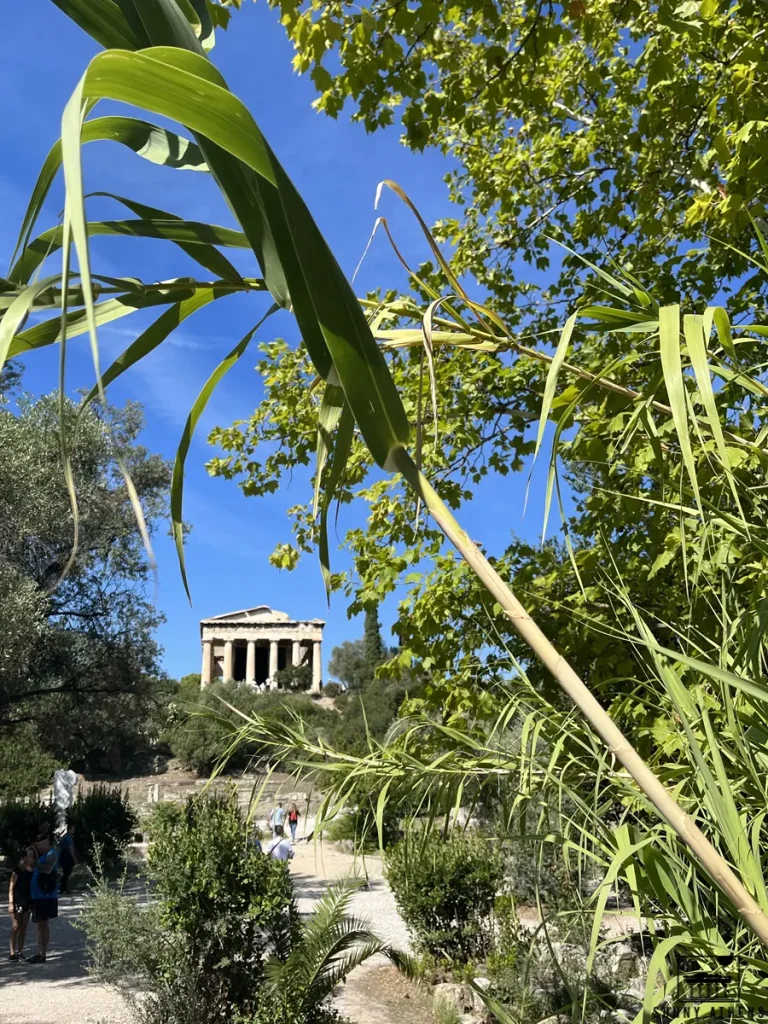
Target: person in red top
column 293, row 820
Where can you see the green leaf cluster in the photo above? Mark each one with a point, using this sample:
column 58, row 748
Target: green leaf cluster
column 637, row 128
column 79, row 666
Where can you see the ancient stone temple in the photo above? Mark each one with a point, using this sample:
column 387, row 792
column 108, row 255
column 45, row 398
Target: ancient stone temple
column 252, row 646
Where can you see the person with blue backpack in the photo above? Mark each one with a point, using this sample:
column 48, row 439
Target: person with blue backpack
column 45, row 892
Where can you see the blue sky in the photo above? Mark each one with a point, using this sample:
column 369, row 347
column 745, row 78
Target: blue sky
column 336, row 166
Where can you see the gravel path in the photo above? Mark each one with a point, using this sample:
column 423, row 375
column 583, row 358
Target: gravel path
column 315, row 865
column 58, row 991
column 374, row 993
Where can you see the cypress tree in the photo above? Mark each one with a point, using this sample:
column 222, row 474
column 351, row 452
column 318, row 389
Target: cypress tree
column 373, row 645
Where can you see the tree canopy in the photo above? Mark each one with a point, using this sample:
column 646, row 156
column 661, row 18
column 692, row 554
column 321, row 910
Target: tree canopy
column 630, row 128
column 80, row 658
column 633, row 129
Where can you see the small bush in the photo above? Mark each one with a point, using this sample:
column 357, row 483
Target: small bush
column 537, row 873
column 19, row 824
column 105, row 823
column 295, row 677
column 445, row 890
column 542, row 974
column 332, row 690
column 198, row 949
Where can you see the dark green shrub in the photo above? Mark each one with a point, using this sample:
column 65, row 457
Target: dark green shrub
column 199, row 740
column 25, row 768
column 19, row 824
column 200, row 859
column 105, row 823
column 368, row 711
column 198, row 949
column 295, row 677
column 332, row 690
column 445, row 889
column 536, row 873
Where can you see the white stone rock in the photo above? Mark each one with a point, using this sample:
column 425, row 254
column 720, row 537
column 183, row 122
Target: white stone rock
column 450, row 993
column 477, row 1001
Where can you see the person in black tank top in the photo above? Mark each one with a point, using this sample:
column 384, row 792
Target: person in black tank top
column 20, row 904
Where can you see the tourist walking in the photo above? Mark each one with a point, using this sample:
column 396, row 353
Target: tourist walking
column 67, row 857
column 277, row 818
column 20, row 903
column 45, row 893
column 293, row 820
column 280, row 848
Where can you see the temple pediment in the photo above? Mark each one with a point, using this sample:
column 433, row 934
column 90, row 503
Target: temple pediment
column 261, row 613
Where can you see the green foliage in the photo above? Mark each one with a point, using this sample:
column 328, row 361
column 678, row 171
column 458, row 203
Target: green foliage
column 295, row 677
column 536, row 873
column 105, row 823
column 80, row 654
column 189, row 687
column 199, row 857
column 373, row 646
column 124, row 941
column 25, row 768
column 445, row 888
column 198, row 949
column 349, row 664
column 309, row 963
column 359, row 826
column 19, row 825
column 221, row 939
column 674, row 593
column 369, row 710
column 202, row 729
column 333, row 690
column 559, row 158
column 552, row 115
column 354, row 662
column 535, row 976
column 659, row 599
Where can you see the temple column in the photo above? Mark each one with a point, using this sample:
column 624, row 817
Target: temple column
column 205, row 673
column 273, row 664
column 296, row 659
column 250, row 664
column 228, row 659
column 317, row 666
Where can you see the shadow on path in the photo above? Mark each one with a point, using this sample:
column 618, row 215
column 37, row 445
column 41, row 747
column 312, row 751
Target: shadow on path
column 60, row 991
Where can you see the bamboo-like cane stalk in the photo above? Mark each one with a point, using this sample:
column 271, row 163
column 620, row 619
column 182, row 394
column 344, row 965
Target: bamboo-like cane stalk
column 704, row 852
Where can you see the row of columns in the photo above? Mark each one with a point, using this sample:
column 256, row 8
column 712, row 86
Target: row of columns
column 250, row 662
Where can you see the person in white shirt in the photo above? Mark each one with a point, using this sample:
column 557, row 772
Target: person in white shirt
column 280, row 848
